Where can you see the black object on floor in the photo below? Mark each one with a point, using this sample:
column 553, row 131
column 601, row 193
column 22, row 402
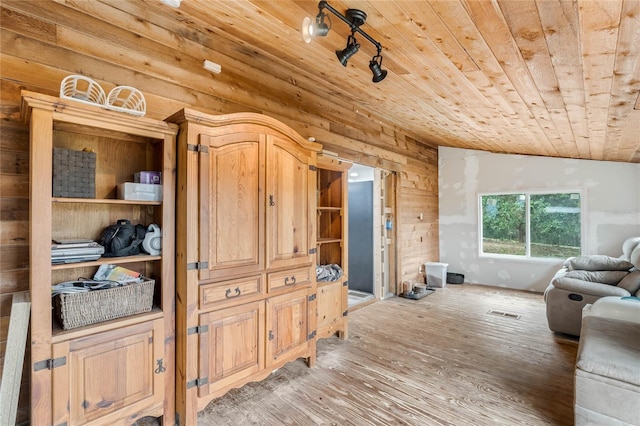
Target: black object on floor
column 416, row 296
column 453, row 278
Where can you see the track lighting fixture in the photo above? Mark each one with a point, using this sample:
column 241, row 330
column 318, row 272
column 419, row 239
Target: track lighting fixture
column 316, row 27
column 375, row 65
column 349, row 51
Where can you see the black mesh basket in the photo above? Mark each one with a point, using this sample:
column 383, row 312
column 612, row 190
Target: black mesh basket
column 453, row 278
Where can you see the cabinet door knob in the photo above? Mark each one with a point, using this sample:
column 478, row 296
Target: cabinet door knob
column 271, row 202
column 161, row 368
column 290, row 280
column 270, row 334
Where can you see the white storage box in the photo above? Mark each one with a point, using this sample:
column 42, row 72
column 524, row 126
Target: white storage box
column 436, row 274
column 139, row 191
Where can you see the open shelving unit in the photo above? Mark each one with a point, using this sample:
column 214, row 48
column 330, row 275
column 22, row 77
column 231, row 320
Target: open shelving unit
column 136, row 352
column 331, row 241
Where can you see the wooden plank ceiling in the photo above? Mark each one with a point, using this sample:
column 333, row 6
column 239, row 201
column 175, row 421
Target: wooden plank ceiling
column 543, row 77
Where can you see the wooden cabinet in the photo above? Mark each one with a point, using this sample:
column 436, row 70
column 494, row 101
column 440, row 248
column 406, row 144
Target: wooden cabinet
column 332, row 215
column 109, row 376
column 287, row 327
column 116, row 371
column 231, row 346
column 288, row 205
column 245, row 253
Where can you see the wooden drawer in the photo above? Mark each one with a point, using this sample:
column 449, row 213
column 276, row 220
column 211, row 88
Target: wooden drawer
column 229, row 291
column 289, row 278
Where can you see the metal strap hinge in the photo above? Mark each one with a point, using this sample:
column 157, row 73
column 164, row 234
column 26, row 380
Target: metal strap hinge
column 199, row 329
column 312, row 297
column 197, row 148
column 312, row 335
column 313, row 168
column 50, row 364
column 62, row 424
column 312, row 251
column 198, row 382
column 197, row 265
column 345, row 284
column 345, row 313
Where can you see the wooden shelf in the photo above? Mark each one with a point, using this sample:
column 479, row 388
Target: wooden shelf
column 329, row 209
column 105, row 201
column 329, row 240
column 60, row 335
column 106, row 260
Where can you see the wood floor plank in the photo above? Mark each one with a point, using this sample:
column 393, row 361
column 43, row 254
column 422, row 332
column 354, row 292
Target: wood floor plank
column 441, row 360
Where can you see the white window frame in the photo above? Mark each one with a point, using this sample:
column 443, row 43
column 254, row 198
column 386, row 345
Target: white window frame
column 527, row 195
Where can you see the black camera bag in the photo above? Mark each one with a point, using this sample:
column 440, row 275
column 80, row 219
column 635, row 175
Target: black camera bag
column 122, row 239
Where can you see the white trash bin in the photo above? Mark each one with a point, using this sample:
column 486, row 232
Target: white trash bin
column 436, row 274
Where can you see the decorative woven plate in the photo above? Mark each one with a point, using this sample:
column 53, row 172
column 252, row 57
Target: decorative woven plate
column 121, row 98
column 126, row 99
column 82, row 89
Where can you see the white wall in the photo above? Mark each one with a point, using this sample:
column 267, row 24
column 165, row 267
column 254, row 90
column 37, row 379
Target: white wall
column 612, row 192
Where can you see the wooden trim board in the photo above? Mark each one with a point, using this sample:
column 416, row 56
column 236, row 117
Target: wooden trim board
column 14, row 357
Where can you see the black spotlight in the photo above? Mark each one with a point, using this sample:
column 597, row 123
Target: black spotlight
column 314, row 27
column 375, row 66
column 349, row 51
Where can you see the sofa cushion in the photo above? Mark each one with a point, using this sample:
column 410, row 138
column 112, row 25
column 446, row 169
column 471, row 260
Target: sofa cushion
column 631, row 282
column 628, row 246
column 598, row 262
column 634, row 258
column 604, row 277
column 610, row 348
column 585, row 287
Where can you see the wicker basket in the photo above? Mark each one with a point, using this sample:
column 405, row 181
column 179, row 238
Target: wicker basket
column 78, row 309
column 74, row 173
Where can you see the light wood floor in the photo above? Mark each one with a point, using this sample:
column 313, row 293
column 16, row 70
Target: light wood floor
column 441, row 360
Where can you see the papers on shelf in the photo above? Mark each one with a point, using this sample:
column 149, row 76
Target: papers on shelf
column 117, row 273
column 107, row 276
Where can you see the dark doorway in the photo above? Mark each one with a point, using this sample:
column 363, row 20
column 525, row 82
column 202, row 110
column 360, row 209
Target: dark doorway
column 361, row 236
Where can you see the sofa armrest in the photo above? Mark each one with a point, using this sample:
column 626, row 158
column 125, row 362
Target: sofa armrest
column 587, row 287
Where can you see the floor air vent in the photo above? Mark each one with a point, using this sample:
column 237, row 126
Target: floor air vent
column 504, row 314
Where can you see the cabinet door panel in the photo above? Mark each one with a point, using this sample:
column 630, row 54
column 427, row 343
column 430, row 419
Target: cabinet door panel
column 232, row 174
column 287, row 325
column 288, row 205
column 233, row 347
column 110, row 376
column 331, row 307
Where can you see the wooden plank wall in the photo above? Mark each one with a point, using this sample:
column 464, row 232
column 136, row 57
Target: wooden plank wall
column 42, row 42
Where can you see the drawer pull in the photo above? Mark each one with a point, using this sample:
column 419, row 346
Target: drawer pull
column 229, row 295
column 292, row 282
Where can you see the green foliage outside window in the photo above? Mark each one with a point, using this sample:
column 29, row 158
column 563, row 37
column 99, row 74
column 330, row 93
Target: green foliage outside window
column 554, row 224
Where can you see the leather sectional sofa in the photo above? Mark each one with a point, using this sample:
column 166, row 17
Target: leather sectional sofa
column 585, row 279
column 607, row 374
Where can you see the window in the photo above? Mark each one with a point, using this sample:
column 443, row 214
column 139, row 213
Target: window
column 531, row 224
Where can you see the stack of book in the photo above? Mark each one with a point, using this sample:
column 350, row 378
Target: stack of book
column 72, row 251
